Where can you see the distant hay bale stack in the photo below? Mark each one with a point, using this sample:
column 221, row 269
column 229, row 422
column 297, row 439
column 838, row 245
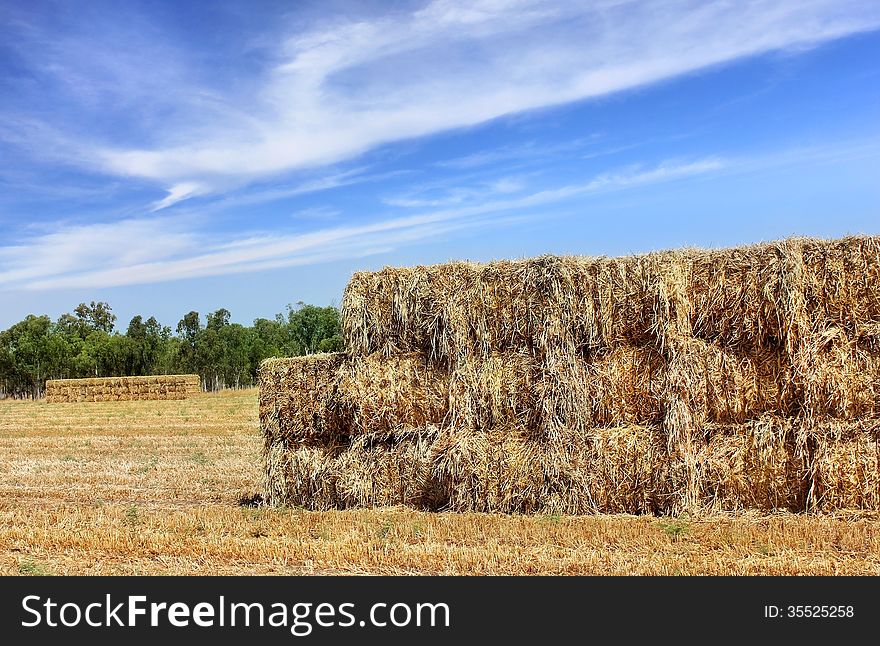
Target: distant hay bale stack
column 744, row 378
column 100, row 389
column 193, row 384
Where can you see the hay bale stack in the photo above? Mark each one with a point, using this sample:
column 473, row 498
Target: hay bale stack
column 193, row 384
column 758, row 296
column 745, row 378
column 100, row 389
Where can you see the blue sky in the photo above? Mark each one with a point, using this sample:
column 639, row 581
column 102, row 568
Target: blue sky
column 170, row 156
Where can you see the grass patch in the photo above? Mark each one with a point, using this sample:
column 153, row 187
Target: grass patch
column 146, row 468
column 199, row 457
column 29, row 567
column 132, row 517
column 675, row 528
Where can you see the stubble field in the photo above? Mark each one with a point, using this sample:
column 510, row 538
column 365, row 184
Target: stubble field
column 166, row 487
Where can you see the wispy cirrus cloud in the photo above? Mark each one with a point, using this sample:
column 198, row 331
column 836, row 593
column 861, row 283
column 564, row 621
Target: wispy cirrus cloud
column 518, row 153
column 159, row 249
column 75, row 249
column 177, row 193
column 351, row 86
column 338, row 88
column 163, row 248
column 439, row 194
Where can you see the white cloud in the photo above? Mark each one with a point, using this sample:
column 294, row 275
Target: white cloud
column 177, row 193
column 507, row 185
column 317, row 213
column 154, row 250
column 71, row 249
column 440, row 194
column 528, row 151
column 343, row 88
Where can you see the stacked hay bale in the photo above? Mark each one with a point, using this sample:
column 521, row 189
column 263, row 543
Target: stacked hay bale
column 193, row 384
column 680, row 380
column 102, row 389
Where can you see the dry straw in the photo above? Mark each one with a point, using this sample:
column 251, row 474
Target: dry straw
column 101, row 389
column 680, row 380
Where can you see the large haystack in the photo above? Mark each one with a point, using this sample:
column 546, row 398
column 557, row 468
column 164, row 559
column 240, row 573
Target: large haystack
column 102, row 389
column 727, row 379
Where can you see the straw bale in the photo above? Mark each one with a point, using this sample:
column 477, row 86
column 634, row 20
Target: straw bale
column 750, row 296
column 753, row 296
column 193, row 384
column 298, row 476
column 377, row 395
column 99, row 389
column 294, row 396
column 622, row 386
column 393, row 471
column 496, row 392
column 497, row 471
column 623, row 469
column 792, row 463
column 365, row 472
column 603, row 470
column 758, row 465
column 845, row 470
column 707, row 384
column 839, row 374
column 842, row 286
column 453, row 311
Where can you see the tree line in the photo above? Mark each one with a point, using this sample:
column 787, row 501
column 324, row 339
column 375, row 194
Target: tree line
column 85, row 343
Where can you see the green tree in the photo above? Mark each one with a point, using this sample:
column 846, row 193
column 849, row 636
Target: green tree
column 96, row 316
column 187, row 330
column 219, row 319
column 26, row 347
column 224, row 354
column 313, row 329
column 137, row 358
column 236, row 341
column 209, row 358
column 72, row 326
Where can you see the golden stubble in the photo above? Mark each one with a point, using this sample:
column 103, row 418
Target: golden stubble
column 154, row 487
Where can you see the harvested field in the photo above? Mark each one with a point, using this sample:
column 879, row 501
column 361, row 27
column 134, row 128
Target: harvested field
column 101, row 389
column 122, row 488
column 679, row 381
